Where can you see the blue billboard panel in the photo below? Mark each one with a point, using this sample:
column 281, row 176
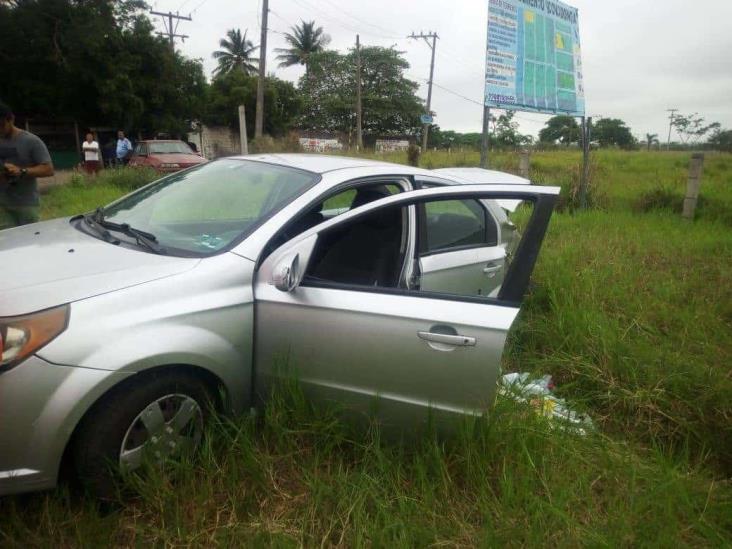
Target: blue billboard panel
column 533, row 57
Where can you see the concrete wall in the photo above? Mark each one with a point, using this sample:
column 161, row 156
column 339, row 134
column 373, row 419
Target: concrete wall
column 216, row 141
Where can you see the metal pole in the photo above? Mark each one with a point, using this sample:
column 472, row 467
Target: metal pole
column 359, row 134
column 243, row 130
column 426, row 131
column 485, row 141
column 259, row 117
column 586, row 125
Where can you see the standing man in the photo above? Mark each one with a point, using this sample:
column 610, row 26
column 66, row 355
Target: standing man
column 23, row 158
column 124, row 148
column 91, row 154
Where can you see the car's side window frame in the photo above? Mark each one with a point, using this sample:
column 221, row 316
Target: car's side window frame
column 516, row 280
column 427, row 183
column 406, row 182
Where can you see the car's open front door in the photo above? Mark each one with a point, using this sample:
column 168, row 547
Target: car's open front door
column 332, row 311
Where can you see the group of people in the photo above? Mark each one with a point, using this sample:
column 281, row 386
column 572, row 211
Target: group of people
column 93, row 157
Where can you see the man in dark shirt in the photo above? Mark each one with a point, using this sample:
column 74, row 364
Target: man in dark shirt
column 23, row 158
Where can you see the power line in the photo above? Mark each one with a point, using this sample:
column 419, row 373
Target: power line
column 389, row 34
column 304, row 4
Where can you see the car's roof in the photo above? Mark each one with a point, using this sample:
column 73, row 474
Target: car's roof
column 160, row 141
column 481, row 175
column 323, row 163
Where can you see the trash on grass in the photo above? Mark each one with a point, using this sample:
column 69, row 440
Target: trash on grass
column 538, row 393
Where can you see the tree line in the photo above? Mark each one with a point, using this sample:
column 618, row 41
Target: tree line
column 100, row 63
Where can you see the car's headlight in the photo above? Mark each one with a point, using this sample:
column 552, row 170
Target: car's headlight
column 164, row 165
column 21, row 336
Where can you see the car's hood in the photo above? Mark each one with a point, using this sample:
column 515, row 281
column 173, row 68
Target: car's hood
column 182, row 159
column 51, row 263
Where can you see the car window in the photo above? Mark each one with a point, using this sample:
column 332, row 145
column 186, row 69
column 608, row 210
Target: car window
column 170, row 148
column 204, row 209
column 367, row 252
column 331, row 207
column 344, row 200
column 449, row 224
column 456, row 224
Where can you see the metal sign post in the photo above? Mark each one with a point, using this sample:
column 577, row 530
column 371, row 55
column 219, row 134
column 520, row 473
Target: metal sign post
column 584, row 179
column 485, row 140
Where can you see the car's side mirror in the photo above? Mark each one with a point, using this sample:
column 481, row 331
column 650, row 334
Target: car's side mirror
column 286, row 274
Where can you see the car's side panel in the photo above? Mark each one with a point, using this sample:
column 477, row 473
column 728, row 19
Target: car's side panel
column 53, row 399
column 363, row 351
column 203, row 318
column 473, row 271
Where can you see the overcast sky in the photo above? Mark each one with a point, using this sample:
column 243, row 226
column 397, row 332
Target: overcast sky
column 640, row 57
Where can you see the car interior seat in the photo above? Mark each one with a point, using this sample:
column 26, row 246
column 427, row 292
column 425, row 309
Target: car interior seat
column 365, row 252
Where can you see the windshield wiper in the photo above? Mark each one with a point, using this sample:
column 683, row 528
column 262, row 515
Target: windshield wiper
column 142, row 238
column 91, row 220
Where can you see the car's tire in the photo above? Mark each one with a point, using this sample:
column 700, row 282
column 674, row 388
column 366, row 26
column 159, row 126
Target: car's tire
column 138, row 414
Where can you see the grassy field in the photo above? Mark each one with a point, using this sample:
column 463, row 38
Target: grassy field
column 630, row 311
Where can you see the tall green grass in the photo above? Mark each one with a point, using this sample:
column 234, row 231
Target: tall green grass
column 630, row 310
column 304, row 478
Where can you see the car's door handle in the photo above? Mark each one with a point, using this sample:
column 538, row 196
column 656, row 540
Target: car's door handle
column 448, row 339
column 492, row 268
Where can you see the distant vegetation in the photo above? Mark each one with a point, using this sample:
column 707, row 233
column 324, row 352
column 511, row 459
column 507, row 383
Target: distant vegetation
column 104, row 66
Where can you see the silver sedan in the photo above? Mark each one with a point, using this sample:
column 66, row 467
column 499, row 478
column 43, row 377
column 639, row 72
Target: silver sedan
column 121, row 328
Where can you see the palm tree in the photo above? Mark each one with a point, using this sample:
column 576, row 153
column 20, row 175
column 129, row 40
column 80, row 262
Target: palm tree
column 304, row 40
column 236, row 53
column 651, row 139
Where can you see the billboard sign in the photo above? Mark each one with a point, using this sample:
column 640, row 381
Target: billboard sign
column 533, row 58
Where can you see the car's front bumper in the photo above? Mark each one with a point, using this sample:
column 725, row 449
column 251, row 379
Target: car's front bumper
column 40, row 405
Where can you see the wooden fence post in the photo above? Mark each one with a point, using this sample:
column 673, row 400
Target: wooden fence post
column 524, row 164
column 692, row 187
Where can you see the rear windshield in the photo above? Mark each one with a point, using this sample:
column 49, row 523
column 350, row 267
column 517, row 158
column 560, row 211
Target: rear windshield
column 169, row 148
column 203, row 210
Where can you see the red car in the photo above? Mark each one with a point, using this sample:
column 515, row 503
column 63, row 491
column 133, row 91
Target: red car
column 165, row 155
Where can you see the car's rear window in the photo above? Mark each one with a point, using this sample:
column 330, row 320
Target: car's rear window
column 169, row 148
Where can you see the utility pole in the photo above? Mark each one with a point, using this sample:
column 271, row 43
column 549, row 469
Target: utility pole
column 359, row 134
column 670, row 125
column 433, row 46
column 259, row 116
column 170, row 30
column 485, row 139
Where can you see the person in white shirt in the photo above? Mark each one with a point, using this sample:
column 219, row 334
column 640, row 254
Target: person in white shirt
column 91, row 154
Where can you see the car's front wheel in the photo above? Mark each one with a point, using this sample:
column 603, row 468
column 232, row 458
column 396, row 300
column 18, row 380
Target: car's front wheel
column 151, row 419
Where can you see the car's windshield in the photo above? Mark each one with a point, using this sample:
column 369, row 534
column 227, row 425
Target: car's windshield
column 169, row 148
column 203, row 210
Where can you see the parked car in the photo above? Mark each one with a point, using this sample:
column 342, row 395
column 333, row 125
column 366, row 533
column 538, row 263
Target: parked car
column 364, row 279
column 165, row 155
